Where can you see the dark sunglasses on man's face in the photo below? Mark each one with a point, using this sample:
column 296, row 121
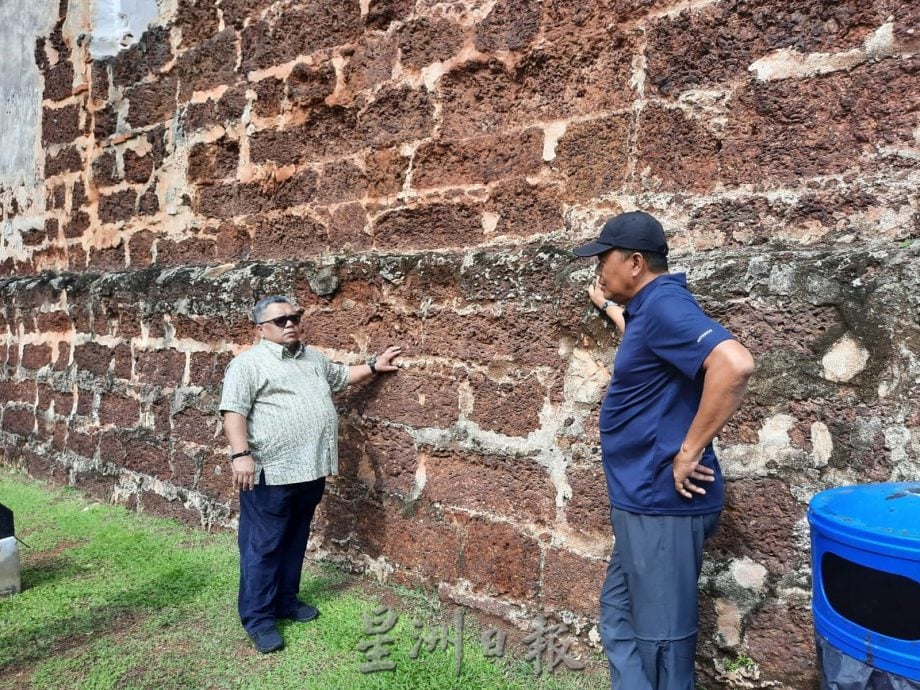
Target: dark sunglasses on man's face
column 282, row 321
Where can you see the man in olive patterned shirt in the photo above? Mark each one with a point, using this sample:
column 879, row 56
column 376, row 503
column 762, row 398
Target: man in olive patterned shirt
column 282, row 427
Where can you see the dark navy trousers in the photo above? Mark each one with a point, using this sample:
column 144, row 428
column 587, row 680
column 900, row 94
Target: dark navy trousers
column 273, row 533
column 649, row 610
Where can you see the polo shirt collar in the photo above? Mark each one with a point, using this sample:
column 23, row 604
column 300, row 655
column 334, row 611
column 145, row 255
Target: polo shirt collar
column 635, row 304
column 280, row 351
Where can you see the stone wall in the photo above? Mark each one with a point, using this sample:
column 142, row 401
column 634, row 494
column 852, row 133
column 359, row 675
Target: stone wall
column 414, row 172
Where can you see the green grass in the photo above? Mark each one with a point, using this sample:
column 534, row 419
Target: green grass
column 113, row 599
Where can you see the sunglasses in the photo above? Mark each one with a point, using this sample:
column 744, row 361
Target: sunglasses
column 282, row 321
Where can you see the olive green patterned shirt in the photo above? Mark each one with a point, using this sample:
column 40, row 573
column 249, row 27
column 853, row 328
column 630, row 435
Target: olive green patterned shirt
column 291, row 423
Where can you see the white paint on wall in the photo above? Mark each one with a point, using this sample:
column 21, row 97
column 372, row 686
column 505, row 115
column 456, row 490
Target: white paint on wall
column 118, row 24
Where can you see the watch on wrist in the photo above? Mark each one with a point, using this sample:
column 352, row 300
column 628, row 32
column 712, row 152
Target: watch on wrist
column 607, row 303
column 372, row 364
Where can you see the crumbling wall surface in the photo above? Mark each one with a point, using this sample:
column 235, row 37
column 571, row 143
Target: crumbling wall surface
column 415, row 172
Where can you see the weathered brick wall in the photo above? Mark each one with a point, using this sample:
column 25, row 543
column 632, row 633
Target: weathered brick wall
column 414, row 172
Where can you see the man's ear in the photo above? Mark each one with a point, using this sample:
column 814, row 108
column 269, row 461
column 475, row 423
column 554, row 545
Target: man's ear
column 637, row 263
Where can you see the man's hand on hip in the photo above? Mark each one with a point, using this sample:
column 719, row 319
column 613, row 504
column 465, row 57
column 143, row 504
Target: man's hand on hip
column 687, row 469
column 244, row 473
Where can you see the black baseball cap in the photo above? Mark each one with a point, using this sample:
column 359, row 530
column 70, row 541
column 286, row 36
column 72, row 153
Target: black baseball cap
column 634, row 230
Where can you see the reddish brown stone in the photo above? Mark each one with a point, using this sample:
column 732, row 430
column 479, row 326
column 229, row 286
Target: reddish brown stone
column 381, row 13
column 819, row 127
column 161, row 367
column 500, row 561
column 677, row 151
column 117, row 206
column 207, row 369
column 149, row 202
column 423, row 41
column 396, row 115
column 479, row 161
column 17, row 391
column 105, row 122
column 508, row 486
column 370, row 63
column 228, row 200
column 118, row 410
column 144, row 58
column 105, row 170
column 196, row 426
column 57, row 196
column 151, row 102
column 35, row 356
column 428, row 227
column 287, row 235
column 139, row 249
column 170, row 508
column 214, row 161
column 123, row 362
column 511, row 408
column 431, row 553
column 237, row 11
column 190, row 252
column 308, row 85
column 780, row 639
column 423, row 399
column 59, row 81
column 348, row 229
column 269, row 94
column 99, row 80
column 197, row 20
column 61, row 125
column 93, row 357
column 758, row 522
column 77, row 225
column 588, row 510
column 592, row 157
column 511, row 25
column 301, row 30
column 54, row 321
column 18, row 421
column 341, row 181
column 700, row 48
column 525, row 209
column 211, row 64
column 148, row 455
column 386, row 172
column 67, row 160
column 572, row 582
column 233, row 242
column 83, row 444
column 137, row 168
column 328, row 131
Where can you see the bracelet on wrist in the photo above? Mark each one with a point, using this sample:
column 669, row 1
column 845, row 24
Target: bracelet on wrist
column 241, row 454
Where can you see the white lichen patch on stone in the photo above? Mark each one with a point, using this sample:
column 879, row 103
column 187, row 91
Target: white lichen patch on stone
column 788, row 63
column 748, row 573
column 822, row 444
column 728, row 622
column 585, row 378
column 552, row 133
column 772, row 451
column 845, row 360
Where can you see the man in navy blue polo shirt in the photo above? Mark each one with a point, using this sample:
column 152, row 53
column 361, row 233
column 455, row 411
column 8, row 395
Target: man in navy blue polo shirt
column 678, row 377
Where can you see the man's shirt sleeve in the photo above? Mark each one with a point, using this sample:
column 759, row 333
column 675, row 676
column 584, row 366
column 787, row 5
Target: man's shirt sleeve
column 239, row 389
column 681, row 334
column 336, row 374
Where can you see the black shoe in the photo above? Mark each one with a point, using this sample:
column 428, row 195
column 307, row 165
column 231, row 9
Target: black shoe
column 267, row 641
column 302, row 613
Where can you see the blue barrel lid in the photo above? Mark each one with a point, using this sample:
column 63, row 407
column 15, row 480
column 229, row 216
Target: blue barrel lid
column 884, row 518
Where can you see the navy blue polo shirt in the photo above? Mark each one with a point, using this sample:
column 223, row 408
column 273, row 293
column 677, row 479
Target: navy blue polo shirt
column 652, row 400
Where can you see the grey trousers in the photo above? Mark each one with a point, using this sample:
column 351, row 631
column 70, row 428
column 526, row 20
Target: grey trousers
column 649, row 608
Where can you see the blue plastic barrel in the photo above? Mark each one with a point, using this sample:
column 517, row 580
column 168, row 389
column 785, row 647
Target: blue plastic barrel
column 865, row 556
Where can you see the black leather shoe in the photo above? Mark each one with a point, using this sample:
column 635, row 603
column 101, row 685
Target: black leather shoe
column 267, row 641
column 303, row 613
